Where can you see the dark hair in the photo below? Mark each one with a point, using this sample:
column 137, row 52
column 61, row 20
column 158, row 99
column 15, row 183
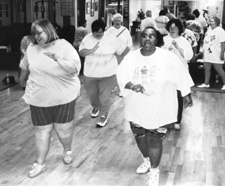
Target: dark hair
column 166, row 10
column 97, row 25
column 159, row 37
column 82, row 22
column 196, row 13
column 178, row 23
column 190, row 17
column 162, row 12
column 47, row 27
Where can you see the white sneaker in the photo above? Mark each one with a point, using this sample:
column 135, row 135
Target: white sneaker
column 153, row 177
column 36, row 169
column 68, row 157
column 223, row 87
column 177, row 126
column 144, row 167
column 102, row 121
column 203, row 86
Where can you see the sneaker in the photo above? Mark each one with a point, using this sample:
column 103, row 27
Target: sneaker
column 36, row 169
column 102, row 121
column 223, row 87
column 68, row 157
column 144, row 167
column 177, row 126
column 153, row 177
column 203, row 86
column 94, row 112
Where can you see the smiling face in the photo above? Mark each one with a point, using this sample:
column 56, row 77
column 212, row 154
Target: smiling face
column 117, row 22
column 148, row 40
column 174, row 31
column 99, row 34
column 40, row 35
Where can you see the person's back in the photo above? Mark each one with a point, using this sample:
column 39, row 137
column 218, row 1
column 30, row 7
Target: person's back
column 200, row 19
column 161, row 22
column 81, row 31
column 148, row 21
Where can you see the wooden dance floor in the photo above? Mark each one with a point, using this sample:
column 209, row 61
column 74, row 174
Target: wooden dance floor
column 193, row 156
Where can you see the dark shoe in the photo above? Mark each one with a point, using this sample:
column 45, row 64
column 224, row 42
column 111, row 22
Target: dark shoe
column 94, row 112
column 102, row 121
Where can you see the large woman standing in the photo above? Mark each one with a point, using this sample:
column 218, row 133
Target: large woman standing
column 179, row 45
column 213, row 51
column 149, row 78
column 51, row 90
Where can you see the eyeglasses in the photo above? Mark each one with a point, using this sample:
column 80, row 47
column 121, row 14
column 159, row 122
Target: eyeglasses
column 173, row 28
column 37, row 33
column 150, row 36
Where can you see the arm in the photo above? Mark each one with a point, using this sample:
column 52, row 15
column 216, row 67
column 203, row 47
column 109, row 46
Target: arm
column 136, row 88
column 23, row 77
column 86, row 52
column 187, row 101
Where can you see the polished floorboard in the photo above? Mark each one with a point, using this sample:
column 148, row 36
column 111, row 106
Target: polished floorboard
column 193, row 156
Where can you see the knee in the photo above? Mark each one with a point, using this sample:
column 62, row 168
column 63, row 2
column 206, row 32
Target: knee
column 64, row 130
column 154, row 141
column 42, row 131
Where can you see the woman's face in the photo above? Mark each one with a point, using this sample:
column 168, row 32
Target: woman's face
column 40, row 36
column 148, row 39
column 99, row 34
column 117, row 22
column 212, row 23
column 174, row 31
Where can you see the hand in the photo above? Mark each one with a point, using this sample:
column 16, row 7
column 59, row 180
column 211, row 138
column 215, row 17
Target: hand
column 138, row 88
column 96, row 47
column 174, row 43
column 187, row 100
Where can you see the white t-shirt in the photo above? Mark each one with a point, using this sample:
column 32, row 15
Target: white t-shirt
column 183, row 43
column 162, row 75
column 102, row 62
column 212, row 45
column 48, row 84
column 161, row 22
column 122, row 36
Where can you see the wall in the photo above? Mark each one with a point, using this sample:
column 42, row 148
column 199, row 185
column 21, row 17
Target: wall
column 91, row 15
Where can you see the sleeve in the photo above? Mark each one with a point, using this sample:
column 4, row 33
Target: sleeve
column 124, row 74
column 221, row 35
column 129, row 39
column 71, row 54
column 85, row 44
column 188, row 52
column 24, row 62
column 184, row 81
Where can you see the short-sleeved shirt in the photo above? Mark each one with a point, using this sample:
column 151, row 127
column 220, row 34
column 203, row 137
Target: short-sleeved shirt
column 161, row 75
column 49, row 84
column 212, row 45
column 102, row 62
column 123, row 37
column 184, row 44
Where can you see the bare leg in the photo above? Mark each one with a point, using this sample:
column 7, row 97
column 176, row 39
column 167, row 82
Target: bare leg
column 220, row 71
column 65, row 134
column 43, row 136
column 207, row 67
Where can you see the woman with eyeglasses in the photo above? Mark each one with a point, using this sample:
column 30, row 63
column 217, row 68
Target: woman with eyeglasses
column 179, row 45
column 51, row 90
column 149, row 78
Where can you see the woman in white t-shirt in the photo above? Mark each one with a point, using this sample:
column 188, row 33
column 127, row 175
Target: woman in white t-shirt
column 213, row 51
column 51, row 90
column 149, row 78
column 100, row 66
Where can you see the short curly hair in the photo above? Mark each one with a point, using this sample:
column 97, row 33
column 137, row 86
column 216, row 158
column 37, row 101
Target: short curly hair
column 178, row 23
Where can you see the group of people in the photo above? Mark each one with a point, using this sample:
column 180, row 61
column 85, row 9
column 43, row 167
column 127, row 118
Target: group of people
column 154, row 81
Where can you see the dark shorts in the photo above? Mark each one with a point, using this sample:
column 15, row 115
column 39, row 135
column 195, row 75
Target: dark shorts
column 140, row 131
column 57, row 114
